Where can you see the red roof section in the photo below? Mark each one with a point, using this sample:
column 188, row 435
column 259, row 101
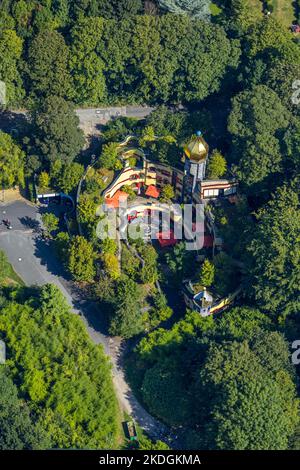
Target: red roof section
column 152, row 191
column 114, row 201
column 166, row 239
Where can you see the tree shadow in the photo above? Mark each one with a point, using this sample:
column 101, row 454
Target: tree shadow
column 13, row 123
column 30, row 223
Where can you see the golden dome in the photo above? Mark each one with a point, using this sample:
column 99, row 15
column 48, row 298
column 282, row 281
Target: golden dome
column 197, row 149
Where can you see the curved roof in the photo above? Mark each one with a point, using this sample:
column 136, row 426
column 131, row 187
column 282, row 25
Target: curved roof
column 197, row 149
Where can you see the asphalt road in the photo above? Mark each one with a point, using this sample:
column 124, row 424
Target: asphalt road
column 34, row 261
column 90, row 119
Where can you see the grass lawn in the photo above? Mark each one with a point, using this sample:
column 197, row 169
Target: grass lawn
column 8, row 276
column 283, row 11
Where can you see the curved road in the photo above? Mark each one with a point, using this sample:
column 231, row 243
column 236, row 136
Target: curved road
column 33, row 260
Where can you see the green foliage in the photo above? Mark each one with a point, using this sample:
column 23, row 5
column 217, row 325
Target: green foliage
column 56, row 134
column 127, row 319
column 65, row 378
column 86, row 209
column 11, row 162
column 48, row 57
column 61, row 245
column 86, row 66
column 108, row 245
column 4, row 266
column 274, row 263
column 180, row 262
column 11, row 47
column 216, row 165
column 226, row 274
column 69, row 178
column 111, row 264
column 44, row 180
column 109, row 156
column 160, row 311
column 256, row 120
column 81, row 259
column 215, row 378
column 18, row 428
column 167, row 193
column 130, row 264
column 242, row 381
column 149, row 272
column 50, row 222
column 164, row 392
column 207, row 273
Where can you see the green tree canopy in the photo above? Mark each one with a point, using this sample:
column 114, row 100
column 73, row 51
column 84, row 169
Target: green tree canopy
column 241, row 383
column 81, row 259
column 12, row 161
column 274, row 264
column 56, row 133
column 48, row 57
column 127, row 318
column 18, row 428
column 11, row 48
column 64, row 376
column 216, row 165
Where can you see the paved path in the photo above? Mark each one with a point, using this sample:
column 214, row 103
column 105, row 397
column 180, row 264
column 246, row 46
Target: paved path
column 38, row 266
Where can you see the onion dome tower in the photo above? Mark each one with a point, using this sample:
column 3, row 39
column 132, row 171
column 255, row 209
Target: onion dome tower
column 195, row 159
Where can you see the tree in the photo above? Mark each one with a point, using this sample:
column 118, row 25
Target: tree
column 11, row 162
column 50, row 222
column 167, row 193
column 257, row 111
column 149, row 271
column 257, row 118
column 160, row 311
column 242, row 14
column 69, row 177
column 240, row 383
column 111, row 265
column 108, row 245
column 56, row 134
column 11, row 48
column 65, row 378
column 81, row 259
column 195, row 8
column 18, row 429
column 86, row 209
column 44, row 180
column 165, row 394
column 48, row 57
column 207, row 273
column 127, row 319
column 216, row 165
column 87, row 67
column 274, row 273
column 109, row 156
column 62, row 244
column 269, row 34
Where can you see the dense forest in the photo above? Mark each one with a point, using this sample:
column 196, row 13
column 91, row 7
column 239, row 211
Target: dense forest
column 65, row 396
column 229, row 70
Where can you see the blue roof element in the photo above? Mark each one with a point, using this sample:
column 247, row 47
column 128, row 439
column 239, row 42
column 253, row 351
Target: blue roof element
column 198, row 133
